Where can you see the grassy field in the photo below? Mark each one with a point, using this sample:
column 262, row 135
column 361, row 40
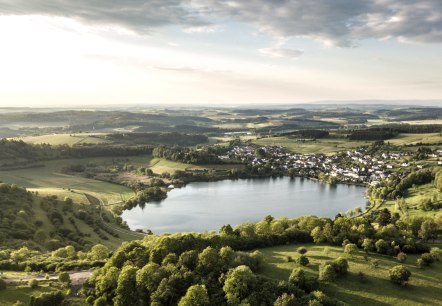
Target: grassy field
column 414, row 197
column 65, row 139
column 424, row 288
column 49, row 180
column 326, row 145
column 21, row 293
column 403, row 139
column 160, row 165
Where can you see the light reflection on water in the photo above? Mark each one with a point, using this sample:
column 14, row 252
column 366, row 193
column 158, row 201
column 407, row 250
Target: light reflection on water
column 209, row 205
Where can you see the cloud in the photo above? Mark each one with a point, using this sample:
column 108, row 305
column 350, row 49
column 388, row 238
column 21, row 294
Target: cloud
column 336, row 22
column 332, row 22
column 138, row 15
column 281, row 52
column 203, row 29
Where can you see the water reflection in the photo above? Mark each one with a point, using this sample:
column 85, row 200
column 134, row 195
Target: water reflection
column 209, row 205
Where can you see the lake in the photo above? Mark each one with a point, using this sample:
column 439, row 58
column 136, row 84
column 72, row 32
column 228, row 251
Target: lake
column 206, row 206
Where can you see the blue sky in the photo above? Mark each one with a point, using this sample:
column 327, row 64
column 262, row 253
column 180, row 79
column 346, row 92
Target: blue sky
column 213, row 52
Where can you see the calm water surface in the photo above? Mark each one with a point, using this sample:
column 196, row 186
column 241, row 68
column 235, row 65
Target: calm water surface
column 209, row 205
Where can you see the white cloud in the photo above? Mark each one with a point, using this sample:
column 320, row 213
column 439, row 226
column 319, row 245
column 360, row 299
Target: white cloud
column 337, row 22
column 281, row 52
column 333, row 22
column 203, row 29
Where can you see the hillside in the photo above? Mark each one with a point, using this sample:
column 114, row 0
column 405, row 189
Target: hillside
column 48, row 223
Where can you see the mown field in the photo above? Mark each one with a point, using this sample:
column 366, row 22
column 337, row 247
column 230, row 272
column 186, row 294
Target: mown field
column 424, row 288
column 161, row 165
column 326, row 145
column 65, row 139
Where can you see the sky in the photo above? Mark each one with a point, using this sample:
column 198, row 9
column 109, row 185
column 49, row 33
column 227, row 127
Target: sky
column 214, row 52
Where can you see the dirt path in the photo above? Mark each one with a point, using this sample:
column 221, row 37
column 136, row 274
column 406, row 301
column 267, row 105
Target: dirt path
column 77, row 278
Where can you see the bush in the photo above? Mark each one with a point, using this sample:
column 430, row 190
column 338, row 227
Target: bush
column 33, row 283
column 399, row 274
column 64, row 277
column 340, row 265
column 302, row 250
column 401, row 257
column 350, row 249
column 436, row 253
column 286, row 300
column 45, row 299
column 427, row 259
column 327, row 273
column 302, row 260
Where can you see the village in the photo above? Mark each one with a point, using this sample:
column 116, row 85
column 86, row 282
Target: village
column 356, row 166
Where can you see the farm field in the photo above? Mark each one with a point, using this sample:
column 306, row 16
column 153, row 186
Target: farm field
column 160, row 165
column 65, row 139
column 424, row 287
column 325, row 145
column 404, row 139
column 49, row 179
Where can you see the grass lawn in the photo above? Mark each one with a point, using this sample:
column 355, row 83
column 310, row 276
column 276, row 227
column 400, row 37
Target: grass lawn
column 424, row 288
column 325, row 145
column 13, row 294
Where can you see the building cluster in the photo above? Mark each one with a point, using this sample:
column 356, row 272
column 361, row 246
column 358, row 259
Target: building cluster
column 355, row 166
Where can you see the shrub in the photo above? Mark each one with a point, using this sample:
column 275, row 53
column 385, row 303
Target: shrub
column 289, row 258
column 399, row 274
column 302, row 260
column 50, row 298
column 420, row 263
column 401, row 257
column 33, row 283
column 340, row 265
column 427, row 259
column 64, row 277
column 327, row 273
column 436, row 253
column 286, row 300
column 350, row 249
column 101, row 301
column 381, row 246
column 302, row 250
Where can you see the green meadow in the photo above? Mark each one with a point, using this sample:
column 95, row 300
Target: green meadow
column 49, row 179
column 375, row 288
